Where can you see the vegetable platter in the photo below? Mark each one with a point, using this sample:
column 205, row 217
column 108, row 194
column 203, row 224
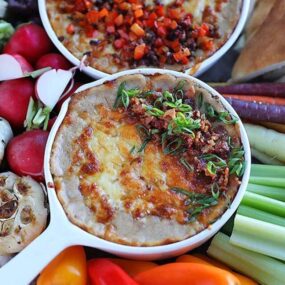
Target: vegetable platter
column 36, row 81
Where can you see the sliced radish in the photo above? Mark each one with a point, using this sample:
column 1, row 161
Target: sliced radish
column 12, row 68
column 51, row 85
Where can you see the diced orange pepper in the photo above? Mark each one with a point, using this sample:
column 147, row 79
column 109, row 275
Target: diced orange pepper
column 103, row 13
column 138, row 30
column 139, row 51
column 138, row 13
column 174, row 13
column 119, row 20
column 125, row 6
column 173, row 25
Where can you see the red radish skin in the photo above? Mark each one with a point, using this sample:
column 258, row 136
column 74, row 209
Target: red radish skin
column 66, row 96
column 30, row 41
column 14, row 100
column 53, row 60
column 25, row 65
column 25, row 153
column 51, row 123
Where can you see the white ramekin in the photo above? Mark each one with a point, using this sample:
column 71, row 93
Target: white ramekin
column 195, row 71
column 61, row 233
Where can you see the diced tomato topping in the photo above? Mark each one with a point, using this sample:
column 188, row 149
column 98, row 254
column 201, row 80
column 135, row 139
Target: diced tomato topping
column 138, row 30
column 125, row 6
column 173, row 25
column 70, row 29
column 139, row 51
column 123, row 34
column 182, row 56
column 207, row 45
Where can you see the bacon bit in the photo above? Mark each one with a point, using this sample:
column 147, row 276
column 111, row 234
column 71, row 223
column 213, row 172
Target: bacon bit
column 139, row 51
column 169, row 114
column 138, row 30
column 119, row 20
column 70, row 29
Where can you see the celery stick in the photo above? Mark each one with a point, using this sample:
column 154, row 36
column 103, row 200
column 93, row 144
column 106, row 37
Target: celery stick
column 260, row 215
column 263, row 269
column 264, row 203
column 267, row 170
column 268, row 191
column 269, row 181
column 259, row 236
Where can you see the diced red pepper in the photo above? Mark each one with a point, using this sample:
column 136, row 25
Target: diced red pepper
column 119, row 20
column 139, row 51
column 89, row 31
column 158, row 42
column 92, row 16
column 161, row 31
column 167, row 22
column 70, row 29
column 138, row 30
column 159, row 10
column 123, row 34
column 102, row 271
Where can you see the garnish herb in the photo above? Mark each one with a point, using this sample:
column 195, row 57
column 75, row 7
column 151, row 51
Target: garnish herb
column 220, row 116
column 124, row 95
column 132, row 149
column 236, row 161
column 214, row 163
column 153, row 111
column 145, row 135
column 178, row 90
column 173, row 146
column 186, row 164
column 200, row 100
column 198, row 202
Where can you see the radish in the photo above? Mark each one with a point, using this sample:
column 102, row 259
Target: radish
column 6, row 134
column 66, row 95
column 29, row 40
column 14, row 99
column 51, row 85
column 15, row 66
column 25, row 153
column 53, row 60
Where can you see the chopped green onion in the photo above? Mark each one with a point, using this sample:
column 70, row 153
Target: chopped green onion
column 124, row 95
column 153, row 111
column 173, row 146
column 186, row 164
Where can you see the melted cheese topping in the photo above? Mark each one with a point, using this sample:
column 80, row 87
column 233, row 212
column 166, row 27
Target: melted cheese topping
column 140, row 183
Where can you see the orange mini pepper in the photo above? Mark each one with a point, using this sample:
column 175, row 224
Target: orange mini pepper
column 68, row 268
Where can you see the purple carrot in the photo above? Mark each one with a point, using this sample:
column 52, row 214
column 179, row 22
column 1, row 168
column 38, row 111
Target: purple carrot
column 258, row 89
column 258, row 111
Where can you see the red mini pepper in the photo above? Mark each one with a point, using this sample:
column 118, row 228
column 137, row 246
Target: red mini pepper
column 102, row 271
